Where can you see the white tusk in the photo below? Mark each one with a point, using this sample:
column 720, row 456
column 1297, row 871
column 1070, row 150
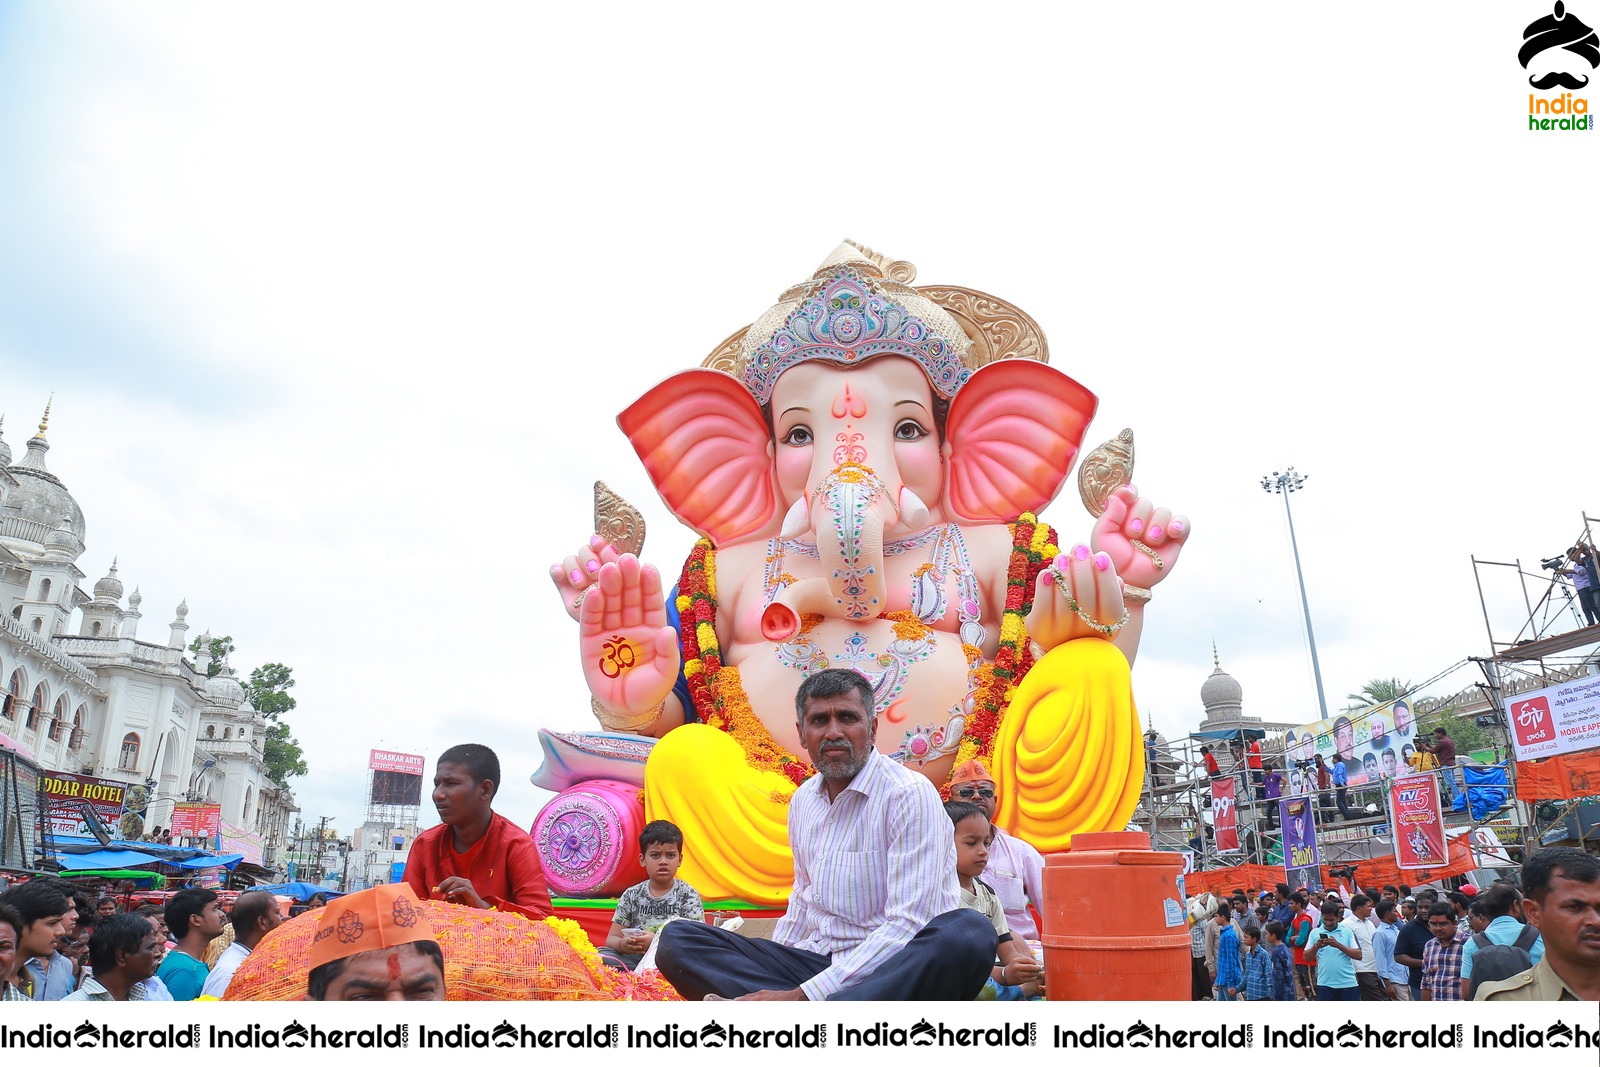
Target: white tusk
column 797, row 521
column 913, row 512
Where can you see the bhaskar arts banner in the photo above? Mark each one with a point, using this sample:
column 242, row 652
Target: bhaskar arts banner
column 1418, row 822
column 1557, row 719
column 1299, row 834
column 1224, row 816
column 1373, row 745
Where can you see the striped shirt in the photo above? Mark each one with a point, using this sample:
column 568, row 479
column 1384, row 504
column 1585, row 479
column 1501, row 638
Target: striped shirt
column 1441, row 970
column 871, row 869
column 93, row 990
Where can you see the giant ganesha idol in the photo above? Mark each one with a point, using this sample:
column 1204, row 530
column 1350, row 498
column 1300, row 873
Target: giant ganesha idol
column 864, row 465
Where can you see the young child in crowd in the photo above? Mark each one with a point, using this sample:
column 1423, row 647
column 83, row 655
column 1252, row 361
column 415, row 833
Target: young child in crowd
column 1282, row 962
column 644, row 909
column 1019, row 976
column 1257, row 966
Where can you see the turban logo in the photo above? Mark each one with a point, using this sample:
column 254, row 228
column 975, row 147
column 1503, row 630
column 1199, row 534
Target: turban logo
column 1564, row 31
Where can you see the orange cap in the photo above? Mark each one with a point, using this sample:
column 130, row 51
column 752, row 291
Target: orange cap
column 381, row 917
column 971, row 771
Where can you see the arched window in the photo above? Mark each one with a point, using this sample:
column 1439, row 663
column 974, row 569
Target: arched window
column 13, row 695
column 95, row 632
column 79, row 734
column 129, row 760
column 38, row 625
column 44, row 590
column 58, row 718
column 36, row 709
column 227, row 733
column 211, row 732
column 16, row 613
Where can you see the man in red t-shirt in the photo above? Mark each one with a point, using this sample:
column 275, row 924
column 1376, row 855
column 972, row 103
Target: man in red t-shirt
column 475, row 857
column 1299, row 935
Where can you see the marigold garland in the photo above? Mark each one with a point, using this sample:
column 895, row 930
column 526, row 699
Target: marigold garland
column 720, row 700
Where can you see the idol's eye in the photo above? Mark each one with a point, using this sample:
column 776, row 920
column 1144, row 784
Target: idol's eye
column 909, row 430
column 798, row 436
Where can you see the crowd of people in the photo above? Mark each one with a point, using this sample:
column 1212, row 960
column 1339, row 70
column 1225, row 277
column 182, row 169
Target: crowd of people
column 1539, row 941
column 898, row 895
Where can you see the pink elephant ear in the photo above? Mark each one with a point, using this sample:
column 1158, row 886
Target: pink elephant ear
column 1014, row 430
column 704, row 443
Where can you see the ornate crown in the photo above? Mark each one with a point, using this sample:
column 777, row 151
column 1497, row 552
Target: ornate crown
column 860, row 304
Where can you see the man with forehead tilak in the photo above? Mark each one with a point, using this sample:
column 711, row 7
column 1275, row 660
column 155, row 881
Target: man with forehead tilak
column 375, row 945
column 1016, row 868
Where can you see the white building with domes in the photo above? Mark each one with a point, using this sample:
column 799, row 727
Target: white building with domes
column 82, row 692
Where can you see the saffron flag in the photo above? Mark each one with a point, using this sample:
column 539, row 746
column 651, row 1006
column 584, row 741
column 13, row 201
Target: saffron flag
column 1224, row 816
column 1299, row 834
column 1418, row 822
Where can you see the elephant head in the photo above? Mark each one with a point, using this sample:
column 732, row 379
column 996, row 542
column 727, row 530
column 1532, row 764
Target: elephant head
column 855, row 419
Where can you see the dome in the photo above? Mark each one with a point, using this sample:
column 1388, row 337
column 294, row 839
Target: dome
column 109, row 587
column 1219, row 692
column 225, row 688
column 39, row 503
column 1221, row 689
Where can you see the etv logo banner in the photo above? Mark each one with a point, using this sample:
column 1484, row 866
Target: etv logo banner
column 1532, row 720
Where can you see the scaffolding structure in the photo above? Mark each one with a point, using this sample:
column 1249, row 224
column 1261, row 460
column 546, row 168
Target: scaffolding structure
column 1175, row 809
column 1550, row 643
column 1541, row 651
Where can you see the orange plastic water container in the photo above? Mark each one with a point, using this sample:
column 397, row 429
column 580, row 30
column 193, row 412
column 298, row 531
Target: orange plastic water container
column 1114, row 925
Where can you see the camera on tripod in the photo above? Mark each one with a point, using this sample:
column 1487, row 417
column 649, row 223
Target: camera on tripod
column 1554, row 563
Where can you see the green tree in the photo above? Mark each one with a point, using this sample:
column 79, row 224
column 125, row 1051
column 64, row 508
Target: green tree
column 1378, row 691
column 282, row 754
column 221, row 648
column 268, row 692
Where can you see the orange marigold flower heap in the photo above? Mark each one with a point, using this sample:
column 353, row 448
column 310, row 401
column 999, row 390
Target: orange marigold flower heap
column 488, row 955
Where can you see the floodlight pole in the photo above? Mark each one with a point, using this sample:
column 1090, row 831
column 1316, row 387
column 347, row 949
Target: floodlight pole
column 1286, row 482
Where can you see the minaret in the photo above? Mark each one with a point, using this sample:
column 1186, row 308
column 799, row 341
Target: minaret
column 180, row 628
column 131, row 617
column 102, row 614
column 5, row 449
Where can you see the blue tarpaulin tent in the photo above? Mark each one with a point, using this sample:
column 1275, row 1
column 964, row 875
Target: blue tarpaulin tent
column 301, row 891
column 1486, row 788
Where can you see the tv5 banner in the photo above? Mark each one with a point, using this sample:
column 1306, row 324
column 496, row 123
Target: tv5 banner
column 1418, row 822
column 1224, row 816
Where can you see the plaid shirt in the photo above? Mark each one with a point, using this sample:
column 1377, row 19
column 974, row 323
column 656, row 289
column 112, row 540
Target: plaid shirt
column 1441, row 970
column 1257, row 974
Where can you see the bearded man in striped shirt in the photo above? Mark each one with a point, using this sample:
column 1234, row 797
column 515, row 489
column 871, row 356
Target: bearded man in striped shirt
column 876, row 909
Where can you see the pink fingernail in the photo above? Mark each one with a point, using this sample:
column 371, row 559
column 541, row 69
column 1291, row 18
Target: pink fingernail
column 1137, row 525
column 1176, row 527
column 1155, row 531
column 1101, row 561
column 596, row 541
column 1080, row 552
column 576, row 576
column 593, row 565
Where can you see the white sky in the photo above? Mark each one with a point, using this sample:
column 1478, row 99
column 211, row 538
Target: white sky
column 338, row 303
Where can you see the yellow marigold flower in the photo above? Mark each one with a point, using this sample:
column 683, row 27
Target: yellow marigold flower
column 683, row 602
column 694, row 667
column 705, row 636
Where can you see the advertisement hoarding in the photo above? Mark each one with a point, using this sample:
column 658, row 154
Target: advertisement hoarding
column 1555, row 720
